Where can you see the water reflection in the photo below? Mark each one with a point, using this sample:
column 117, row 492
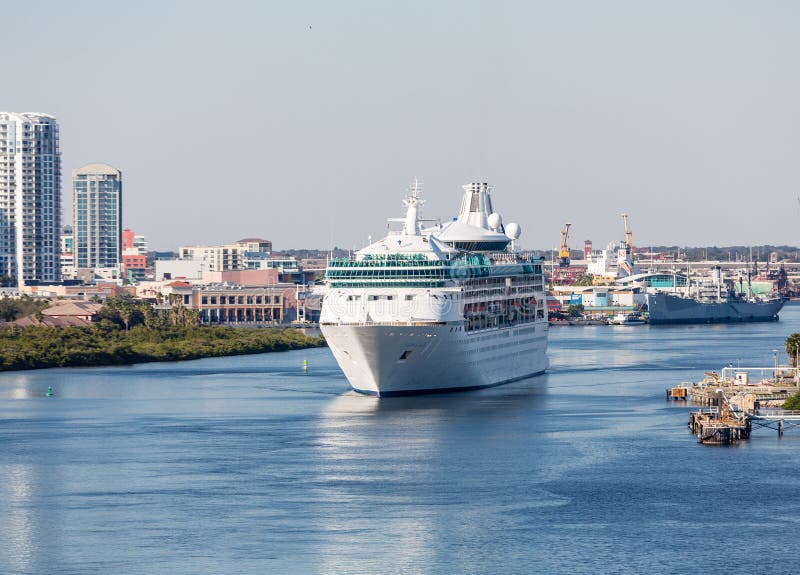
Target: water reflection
column 18, row 525
column 385, row 466
column 26, row 526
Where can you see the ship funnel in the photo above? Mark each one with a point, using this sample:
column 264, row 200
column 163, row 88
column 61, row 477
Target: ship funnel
column 476, row 206
column 413, row 204
column 716, row 276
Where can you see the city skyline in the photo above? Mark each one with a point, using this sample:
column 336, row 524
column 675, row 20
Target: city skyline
column 306, row 124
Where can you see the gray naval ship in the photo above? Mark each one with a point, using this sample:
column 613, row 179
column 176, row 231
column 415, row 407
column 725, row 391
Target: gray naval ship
column 713, row 302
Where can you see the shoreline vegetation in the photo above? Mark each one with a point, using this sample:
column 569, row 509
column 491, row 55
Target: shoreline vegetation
column 129, row 331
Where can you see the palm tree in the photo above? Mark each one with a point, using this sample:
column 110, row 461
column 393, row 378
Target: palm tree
column 176, row 308
column 793, row 348
column 126, row 312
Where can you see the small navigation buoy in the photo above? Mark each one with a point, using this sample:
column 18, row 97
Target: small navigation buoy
column 49, row 391
column 305, row 365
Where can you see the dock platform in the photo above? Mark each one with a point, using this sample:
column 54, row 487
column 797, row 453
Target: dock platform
column 721, row 425
column 734, row 405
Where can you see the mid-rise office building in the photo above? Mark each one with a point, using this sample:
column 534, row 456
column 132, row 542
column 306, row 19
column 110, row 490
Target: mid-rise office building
column 228, row 257
column 134, row 257
column 67, row 254
column 30, row 198
column 134, row 241
column 97, row 217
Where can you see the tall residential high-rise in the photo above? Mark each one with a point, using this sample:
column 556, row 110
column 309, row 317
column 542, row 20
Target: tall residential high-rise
column 97, row 216
column 30, row 198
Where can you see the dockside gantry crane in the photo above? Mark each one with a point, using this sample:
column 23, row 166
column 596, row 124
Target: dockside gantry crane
column 628, row 236
column 563, row 251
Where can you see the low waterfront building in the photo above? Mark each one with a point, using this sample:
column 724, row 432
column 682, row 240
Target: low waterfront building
column 226, row 303
column 598, row 300
column 64, row 314
column 223, row 304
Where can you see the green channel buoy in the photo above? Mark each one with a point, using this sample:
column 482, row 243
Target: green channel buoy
column 49, row 391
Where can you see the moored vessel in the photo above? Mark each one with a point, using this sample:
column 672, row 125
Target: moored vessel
column 632, row 318
column 712, row 300
column 672, row 308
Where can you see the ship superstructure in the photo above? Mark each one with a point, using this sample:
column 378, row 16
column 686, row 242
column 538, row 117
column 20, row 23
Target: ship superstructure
column 436, row 308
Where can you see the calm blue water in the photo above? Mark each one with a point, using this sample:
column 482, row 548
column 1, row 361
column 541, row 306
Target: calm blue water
column 248, row 465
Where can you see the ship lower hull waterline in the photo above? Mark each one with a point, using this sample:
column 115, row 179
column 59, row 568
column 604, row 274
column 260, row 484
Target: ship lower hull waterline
column 395, row 360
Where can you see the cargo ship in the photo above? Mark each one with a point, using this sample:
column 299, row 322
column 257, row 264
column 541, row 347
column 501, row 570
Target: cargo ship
column 671, row 308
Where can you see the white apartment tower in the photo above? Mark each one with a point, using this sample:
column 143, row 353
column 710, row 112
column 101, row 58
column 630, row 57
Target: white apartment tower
column 30, row 198
column 97, row 216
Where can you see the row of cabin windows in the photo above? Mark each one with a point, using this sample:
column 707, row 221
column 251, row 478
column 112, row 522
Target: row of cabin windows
column 407, row 297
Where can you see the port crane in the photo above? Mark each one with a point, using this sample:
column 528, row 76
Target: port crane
column 563, row 252
column 628, row 236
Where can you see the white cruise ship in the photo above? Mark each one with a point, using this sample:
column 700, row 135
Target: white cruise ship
column 442, row 307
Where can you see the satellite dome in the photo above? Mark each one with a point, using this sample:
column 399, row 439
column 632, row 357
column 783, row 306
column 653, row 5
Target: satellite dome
column 513, row 231
column 494, row 221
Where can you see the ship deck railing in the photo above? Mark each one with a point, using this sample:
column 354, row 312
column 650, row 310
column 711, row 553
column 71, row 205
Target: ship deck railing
column 406, row 323
column 405, row 260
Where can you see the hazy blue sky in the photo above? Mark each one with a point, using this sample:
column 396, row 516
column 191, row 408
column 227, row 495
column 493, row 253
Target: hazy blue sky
column 303, row 122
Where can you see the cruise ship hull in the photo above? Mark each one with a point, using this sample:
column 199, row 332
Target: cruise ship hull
column 667, row 308
column 402, row 359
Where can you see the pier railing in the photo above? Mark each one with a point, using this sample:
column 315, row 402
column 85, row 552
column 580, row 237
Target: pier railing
column 743, row 375
column 778, row 413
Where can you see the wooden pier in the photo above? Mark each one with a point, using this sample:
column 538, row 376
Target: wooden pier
column 734, row 404
column 748, row 387
column 709, row 429
column 719, row 425
column 680, row 393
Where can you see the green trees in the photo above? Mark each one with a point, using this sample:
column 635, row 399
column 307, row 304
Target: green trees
column 793, row 348
column 575, row 310
column 127, row 311
column 793, row 402
column 108, row 343
column 124, row 310
column 12, row 309
column 130, row 330
column 8, row 309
